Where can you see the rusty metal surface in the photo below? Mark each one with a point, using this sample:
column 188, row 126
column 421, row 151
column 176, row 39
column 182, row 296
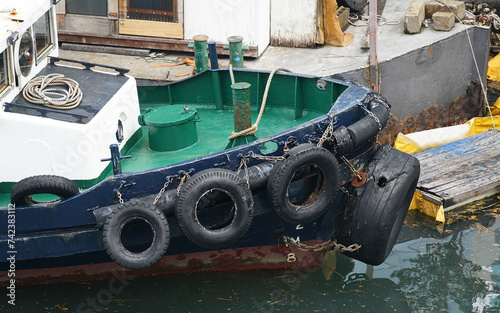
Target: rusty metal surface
column 460, row 111
column 265, row 257
column 241, row 106
column 141, row 42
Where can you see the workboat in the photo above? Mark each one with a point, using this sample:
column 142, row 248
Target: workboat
column 102, row 177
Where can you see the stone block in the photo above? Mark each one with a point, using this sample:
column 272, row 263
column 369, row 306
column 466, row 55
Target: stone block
column 458, row 8
column 414, row 17
column 343, row 14
column 443, row 21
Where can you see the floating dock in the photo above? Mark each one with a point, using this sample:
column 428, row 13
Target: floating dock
column 458, row 173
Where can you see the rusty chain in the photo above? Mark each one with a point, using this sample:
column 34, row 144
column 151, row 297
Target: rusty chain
column 327, row 135
column 246, row 159
column 326, row 245
column 169, row 180
column 185, row 176
column 119, row 194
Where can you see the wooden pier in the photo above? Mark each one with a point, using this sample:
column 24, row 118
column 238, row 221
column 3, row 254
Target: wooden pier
column 458, row 173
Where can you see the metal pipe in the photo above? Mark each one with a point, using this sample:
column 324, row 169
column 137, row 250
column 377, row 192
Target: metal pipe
column 214, row 65
column 373, row 80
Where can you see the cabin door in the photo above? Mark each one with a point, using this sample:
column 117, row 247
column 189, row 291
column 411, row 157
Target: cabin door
column 153, row 18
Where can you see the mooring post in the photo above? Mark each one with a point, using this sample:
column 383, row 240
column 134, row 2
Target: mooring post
column 214, row 66
column 241, row 106
column 116, row 159
column 236, row 49
column 200, row 47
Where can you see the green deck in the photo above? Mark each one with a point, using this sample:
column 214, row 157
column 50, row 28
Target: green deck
column 213, row 130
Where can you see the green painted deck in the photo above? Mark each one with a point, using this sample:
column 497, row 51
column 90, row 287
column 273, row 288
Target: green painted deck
column 213, row 130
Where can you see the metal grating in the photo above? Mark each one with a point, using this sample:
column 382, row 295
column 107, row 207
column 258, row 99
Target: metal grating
column 152, row 10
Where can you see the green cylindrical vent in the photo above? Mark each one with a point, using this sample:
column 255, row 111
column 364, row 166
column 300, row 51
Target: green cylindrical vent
column 241, row 106
column 171, row 127
column 200, row 53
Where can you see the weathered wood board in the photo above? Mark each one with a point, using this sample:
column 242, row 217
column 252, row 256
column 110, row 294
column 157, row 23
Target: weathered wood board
column 461, row 171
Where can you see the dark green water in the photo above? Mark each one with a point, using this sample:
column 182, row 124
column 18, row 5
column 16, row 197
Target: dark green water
column 431, row 269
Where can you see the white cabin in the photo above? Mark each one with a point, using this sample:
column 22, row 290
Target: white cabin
column 37, row 140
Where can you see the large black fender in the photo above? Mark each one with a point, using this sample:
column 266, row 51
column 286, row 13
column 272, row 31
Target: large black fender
column 126, row 215
column 23, row 191
column 319, row 170
column 374, row 216
column 214, row 208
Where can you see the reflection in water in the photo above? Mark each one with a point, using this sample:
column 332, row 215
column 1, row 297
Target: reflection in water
column 455, row 269
column 454, row 272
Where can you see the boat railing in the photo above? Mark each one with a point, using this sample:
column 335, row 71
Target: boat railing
column 89, row 65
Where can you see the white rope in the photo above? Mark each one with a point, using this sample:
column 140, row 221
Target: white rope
column 54, row 91
column 475, row 62
column 231, row 74
column 252, row 129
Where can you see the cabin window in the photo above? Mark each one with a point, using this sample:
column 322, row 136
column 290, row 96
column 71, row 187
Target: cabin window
column 88, row 7
column 5, row 73
column 43, row 36
column 25, row 53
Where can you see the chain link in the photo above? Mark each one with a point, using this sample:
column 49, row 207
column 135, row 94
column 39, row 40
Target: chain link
column 353, row 170
column 246, row 159
column 326, row 245
column 372, row 115
column 344, row 190
column 327, row 134
column 169, row 180
column 185, row 177
column 384, row 103
column 244, row 164
column 119, row 194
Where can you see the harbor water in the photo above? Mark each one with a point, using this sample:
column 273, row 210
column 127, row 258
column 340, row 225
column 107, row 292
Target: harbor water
column 433, row 268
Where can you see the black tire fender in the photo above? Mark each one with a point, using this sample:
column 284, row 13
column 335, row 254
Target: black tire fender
column 42, row 184
column 194, row 194
column 321, row 197
column 376, row 214
column 119, row 218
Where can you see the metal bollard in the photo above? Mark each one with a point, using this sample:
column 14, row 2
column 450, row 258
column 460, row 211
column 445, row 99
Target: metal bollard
column 241, row 106
column 236, row 49
column 200, row 47
column 116, row 159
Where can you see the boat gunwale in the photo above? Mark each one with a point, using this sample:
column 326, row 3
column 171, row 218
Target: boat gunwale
column 63, row 215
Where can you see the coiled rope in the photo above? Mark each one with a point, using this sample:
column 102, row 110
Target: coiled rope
column 252, row 129
column 54, row 91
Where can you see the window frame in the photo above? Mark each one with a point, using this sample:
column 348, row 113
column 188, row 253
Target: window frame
column 41, row 55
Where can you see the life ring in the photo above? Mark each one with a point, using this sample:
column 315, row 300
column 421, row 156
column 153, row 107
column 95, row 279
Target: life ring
column 214, row 208
column 123, row 219
column 23, row 191
column 377, row 212
column 302, row 187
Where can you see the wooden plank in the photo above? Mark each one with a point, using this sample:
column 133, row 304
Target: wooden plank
column 141, row 42
column 151, row 29
column 463, row 170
